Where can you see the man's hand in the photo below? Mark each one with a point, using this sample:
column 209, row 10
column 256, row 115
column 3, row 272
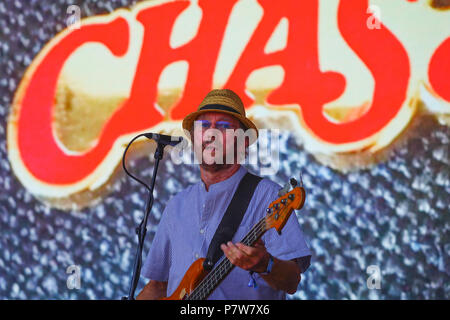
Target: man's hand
column 254, row 258
column 285, row 274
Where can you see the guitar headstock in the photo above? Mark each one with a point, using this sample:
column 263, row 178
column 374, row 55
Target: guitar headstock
column 280, row 210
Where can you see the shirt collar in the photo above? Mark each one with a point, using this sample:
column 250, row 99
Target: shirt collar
column 227, row 183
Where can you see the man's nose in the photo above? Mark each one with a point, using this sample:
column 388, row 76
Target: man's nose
column 209, row 134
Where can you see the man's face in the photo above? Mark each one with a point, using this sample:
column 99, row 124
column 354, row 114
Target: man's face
column 215, row 145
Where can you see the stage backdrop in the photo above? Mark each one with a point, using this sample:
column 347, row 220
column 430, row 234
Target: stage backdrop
column 354, row 95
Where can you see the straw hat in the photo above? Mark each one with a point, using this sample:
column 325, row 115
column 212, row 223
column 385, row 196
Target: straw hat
column 224, row 101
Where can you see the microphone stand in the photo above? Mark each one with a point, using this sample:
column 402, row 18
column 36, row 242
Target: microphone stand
column 142, row 229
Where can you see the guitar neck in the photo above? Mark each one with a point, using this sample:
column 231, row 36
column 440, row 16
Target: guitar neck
column 224, row 267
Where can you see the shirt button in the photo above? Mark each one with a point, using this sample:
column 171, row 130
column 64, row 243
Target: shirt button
column 202, row 231
column 197, row 255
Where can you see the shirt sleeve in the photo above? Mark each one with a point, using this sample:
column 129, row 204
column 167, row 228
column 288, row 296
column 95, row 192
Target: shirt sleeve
column 291, row 244
column 158, row 261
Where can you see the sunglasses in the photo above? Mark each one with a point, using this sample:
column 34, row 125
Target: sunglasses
column 219, row 125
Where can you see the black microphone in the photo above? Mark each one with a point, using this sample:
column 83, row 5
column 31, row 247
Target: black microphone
column 164, row 139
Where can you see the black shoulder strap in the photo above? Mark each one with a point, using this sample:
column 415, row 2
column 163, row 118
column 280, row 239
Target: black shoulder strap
column 231, row 219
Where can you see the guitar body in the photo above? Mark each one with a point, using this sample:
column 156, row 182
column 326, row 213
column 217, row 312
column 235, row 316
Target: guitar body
column 194, row 275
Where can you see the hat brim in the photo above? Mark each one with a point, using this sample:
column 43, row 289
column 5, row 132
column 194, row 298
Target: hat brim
column 188, row 121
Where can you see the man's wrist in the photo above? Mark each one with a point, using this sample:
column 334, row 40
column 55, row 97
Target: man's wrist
column 268, row 265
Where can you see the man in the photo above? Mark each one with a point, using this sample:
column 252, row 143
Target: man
column 191, row 217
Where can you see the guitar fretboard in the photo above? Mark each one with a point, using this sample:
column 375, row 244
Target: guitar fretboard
column 224, row 266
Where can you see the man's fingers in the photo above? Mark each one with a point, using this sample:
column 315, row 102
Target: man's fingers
column 244, row 256
column 227, row 252
column 259, row 243
column 245, row 249
column 239, row 248
column 224, row 248
column 235, row 250
column 232, row 252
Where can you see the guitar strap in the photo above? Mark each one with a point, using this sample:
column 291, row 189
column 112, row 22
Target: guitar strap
column 231, row 219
